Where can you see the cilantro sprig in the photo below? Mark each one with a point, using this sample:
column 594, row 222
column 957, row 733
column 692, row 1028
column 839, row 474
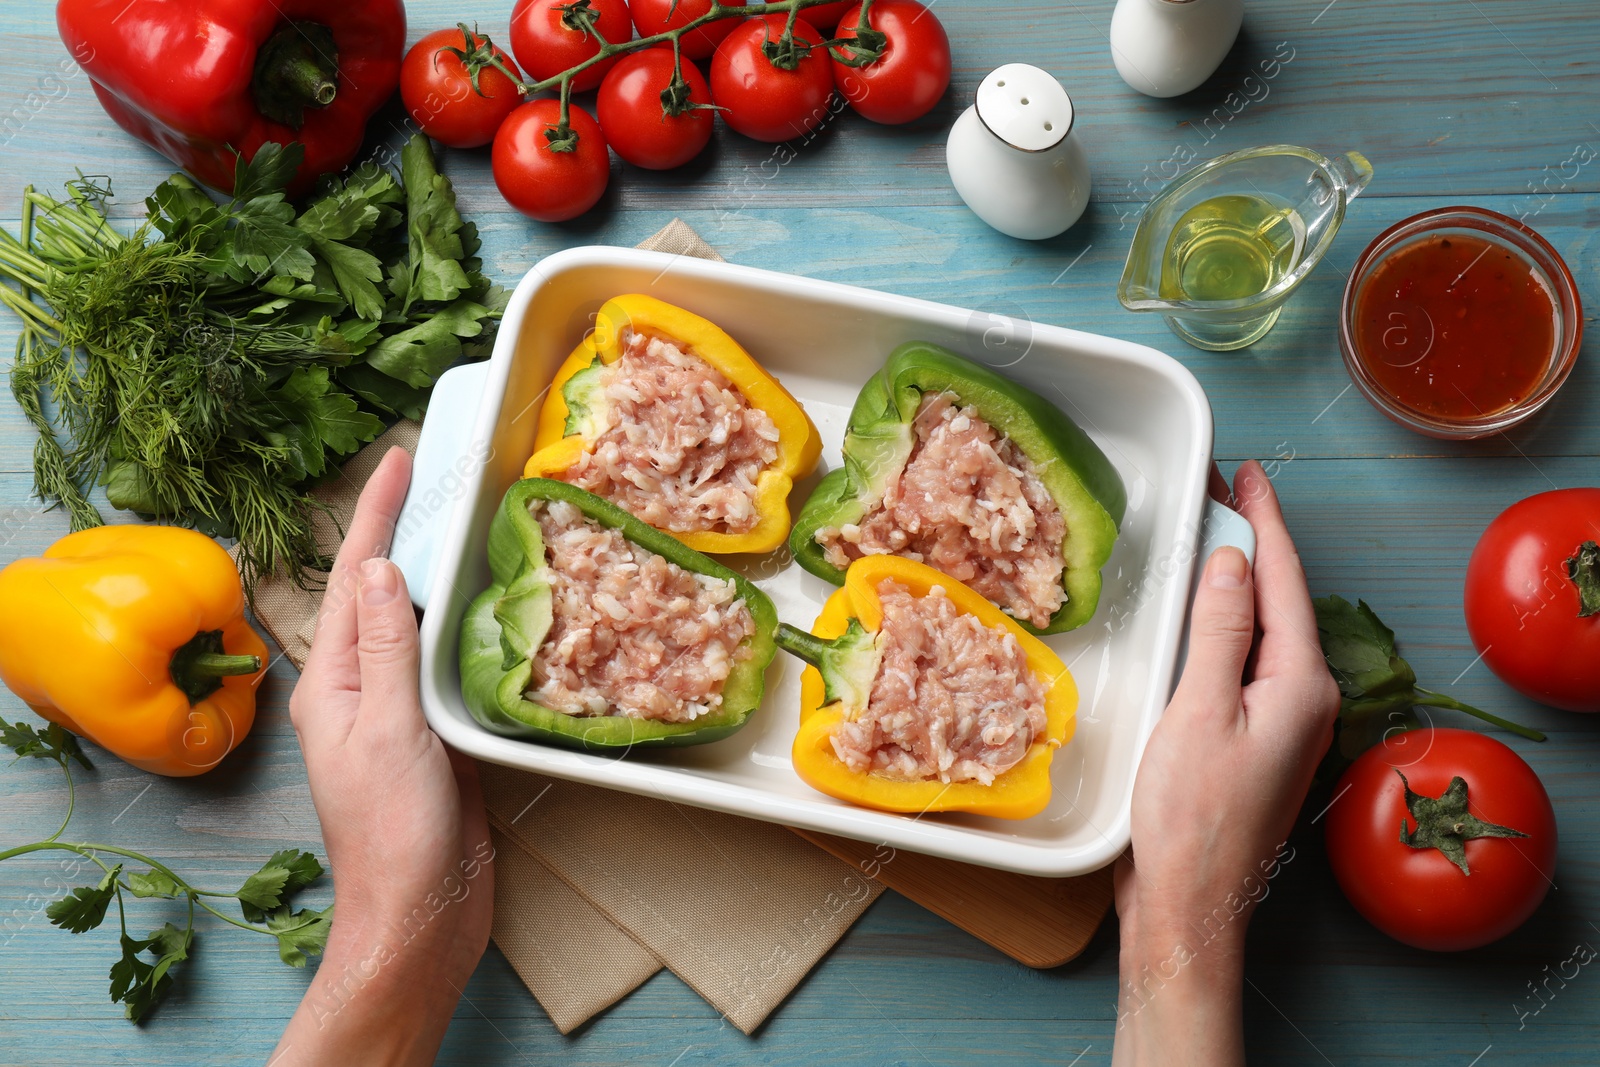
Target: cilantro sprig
column 143, row 972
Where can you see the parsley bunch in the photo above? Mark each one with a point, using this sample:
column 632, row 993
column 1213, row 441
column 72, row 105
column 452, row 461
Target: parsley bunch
column 207, row 368
column 142, row 974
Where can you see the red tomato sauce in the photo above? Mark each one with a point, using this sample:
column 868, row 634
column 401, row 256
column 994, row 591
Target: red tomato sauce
column 1456, row 326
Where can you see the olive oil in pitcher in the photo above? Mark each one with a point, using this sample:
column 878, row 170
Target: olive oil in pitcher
column 1230, row 248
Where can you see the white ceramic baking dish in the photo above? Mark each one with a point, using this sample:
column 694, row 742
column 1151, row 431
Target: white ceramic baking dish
column 823, row 340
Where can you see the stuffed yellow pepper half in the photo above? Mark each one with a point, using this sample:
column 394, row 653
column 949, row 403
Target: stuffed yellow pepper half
column 923, row 696
column 662, row 413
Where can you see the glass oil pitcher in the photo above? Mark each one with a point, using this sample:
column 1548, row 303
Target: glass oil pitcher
column 1220, row 249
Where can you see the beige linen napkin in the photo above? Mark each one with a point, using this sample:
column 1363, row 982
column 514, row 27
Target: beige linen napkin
column 596, row 890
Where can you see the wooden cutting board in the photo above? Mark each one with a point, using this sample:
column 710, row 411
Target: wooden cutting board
column 1041, row 922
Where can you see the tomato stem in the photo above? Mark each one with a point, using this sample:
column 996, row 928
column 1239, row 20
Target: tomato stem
column 716, row 14
column 479, row 53
column 1584, row 571
column 1439, row 700
column 579, row 16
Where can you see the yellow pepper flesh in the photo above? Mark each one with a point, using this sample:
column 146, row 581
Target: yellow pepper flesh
column 91, row 635
column 1019, row 793
column 799, row 444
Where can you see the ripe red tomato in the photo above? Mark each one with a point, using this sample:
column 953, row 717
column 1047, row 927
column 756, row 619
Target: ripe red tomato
column 630, row 111
column 1523, row 606
column 436, row 87
column 1417, row 895
column 826, row 16
column 763, row 101
column 651, row 17
column 545, row 45
column 544, row 184
column 904, row 83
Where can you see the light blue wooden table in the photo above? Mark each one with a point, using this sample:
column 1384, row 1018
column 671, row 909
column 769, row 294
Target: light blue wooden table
column 1479, row 102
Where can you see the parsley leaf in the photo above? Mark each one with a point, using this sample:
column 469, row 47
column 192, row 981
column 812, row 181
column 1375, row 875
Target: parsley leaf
column 84, row 908
column 270, row 171
column 285, row 874
column 434, row 226
column 383, row 392
column 354, row 271
column 318, row 417
column 300, row 934
column 140, row 985
column 419, row 355
column 154, row 884
column 54, row 743
column 264, row 242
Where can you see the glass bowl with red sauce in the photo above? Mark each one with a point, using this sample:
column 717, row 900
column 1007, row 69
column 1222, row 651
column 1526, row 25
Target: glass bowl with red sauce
column 1460, row 322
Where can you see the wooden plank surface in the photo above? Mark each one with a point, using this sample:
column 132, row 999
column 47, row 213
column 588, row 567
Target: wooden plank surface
column 1480, row 102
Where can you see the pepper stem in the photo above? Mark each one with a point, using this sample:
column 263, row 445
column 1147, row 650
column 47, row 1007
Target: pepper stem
column 198, row 667
column 296, row 68
column 848, row 663
column 802, row 645
column 221, row 665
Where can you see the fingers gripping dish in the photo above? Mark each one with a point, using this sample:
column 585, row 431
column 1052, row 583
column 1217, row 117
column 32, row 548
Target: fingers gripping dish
column 662, row 413
column 922, row 696
column 946, row 462
column 600, row 632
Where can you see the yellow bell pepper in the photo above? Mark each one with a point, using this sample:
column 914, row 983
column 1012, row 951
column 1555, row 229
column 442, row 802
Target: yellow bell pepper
column 134, row 637
column 560, row 438
column 842, row 645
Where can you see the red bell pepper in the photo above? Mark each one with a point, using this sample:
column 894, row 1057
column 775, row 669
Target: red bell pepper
column 203, row 81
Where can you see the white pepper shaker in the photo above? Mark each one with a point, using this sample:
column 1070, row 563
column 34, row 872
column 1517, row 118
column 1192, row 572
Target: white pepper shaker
column 1012, row 157
column 1168, row 47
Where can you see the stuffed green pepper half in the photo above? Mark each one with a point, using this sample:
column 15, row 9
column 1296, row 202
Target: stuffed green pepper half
column 949, row 464
column 600, row 632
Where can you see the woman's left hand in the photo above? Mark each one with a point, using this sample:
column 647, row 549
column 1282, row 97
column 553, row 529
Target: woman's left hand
column 402, row 816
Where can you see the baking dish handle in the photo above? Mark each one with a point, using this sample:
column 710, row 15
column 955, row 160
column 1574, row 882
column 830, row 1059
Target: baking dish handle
column 440, row 471
column 1219, row 527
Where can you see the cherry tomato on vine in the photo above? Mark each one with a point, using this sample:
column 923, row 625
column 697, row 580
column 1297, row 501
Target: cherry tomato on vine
column 631, row 113
column 1415, row 889
column 540, row 182
column 651, row 17
column 1533, row 575
column 913, row 72
column 548, row 41
column 826, row 16
column 762, row 100
column 437, row 88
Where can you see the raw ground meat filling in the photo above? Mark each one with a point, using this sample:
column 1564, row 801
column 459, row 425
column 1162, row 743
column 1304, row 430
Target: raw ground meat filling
column 632, row 633
column 968, row 503
column 954, row 700
column 682, row 447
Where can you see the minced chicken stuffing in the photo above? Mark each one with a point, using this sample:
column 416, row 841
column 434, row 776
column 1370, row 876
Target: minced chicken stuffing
column 969, row 504
column 682, row 447
column 954, row 700
column 633, row 634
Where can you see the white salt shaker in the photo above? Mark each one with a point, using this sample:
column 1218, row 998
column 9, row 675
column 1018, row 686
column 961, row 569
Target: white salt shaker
column 1011, row 156
column 1168, row 47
